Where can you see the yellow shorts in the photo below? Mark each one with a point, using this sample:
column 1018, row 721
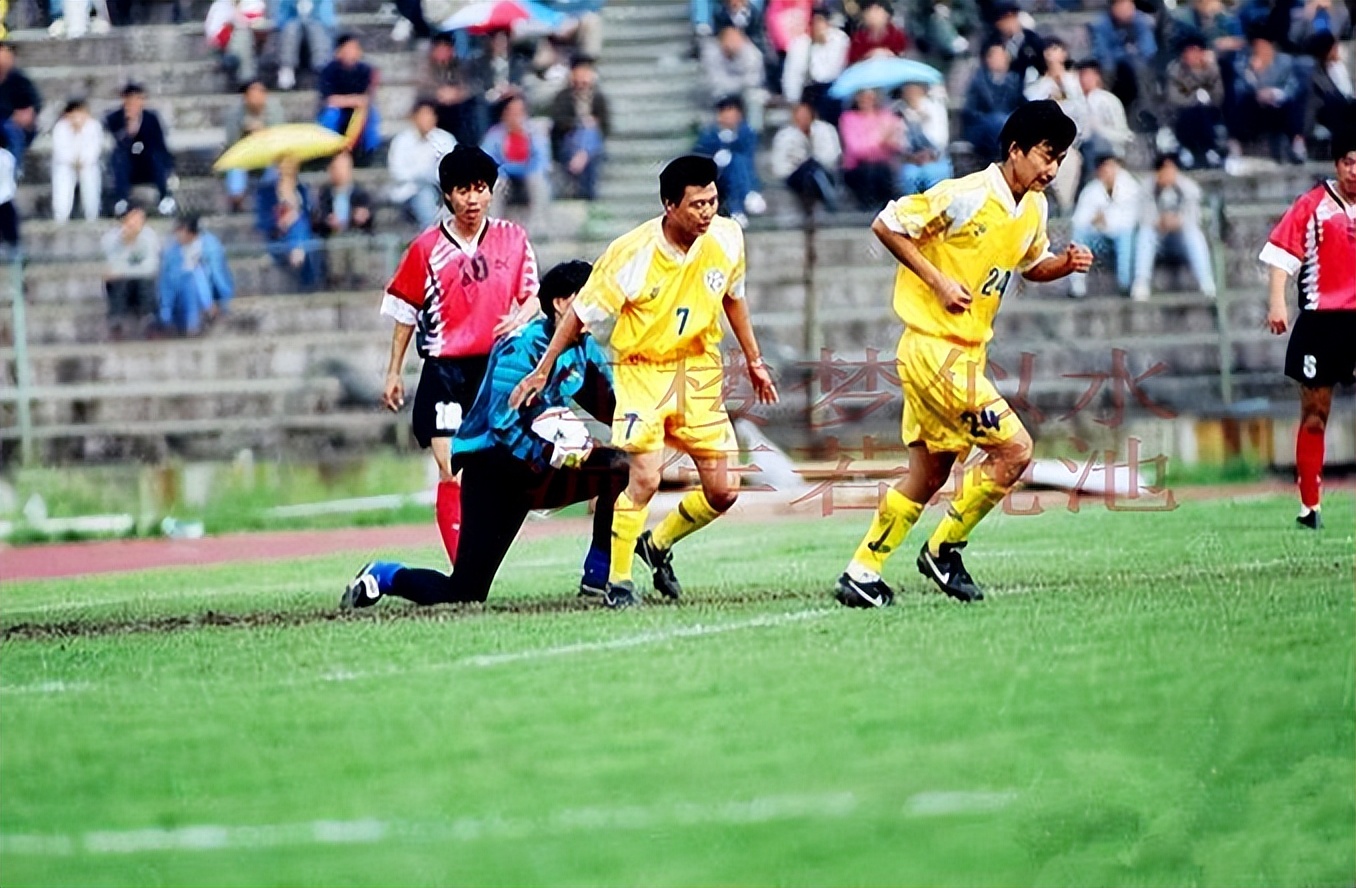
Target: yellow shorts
column 679, row 402
column 949, row 404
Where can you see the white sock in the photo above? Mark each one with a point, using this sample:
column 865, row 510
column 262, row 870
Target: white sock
column 861, row 573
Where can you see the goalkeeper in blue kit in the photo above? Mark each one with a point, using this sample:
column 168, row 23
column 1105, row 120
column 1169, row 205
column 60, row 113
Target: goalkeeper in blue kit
column 515, row 461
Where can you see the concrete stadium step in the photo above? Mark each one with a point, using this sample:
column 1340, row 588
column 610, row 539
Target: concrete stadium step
column 668, row 31
column 620, row 14
column 613, row 71
column 624, row 151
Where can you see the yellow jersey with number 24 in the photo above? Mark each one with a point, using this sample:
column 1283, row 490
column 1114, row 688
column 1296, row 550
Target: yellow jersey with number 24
column 976, row 234
column 667, row 304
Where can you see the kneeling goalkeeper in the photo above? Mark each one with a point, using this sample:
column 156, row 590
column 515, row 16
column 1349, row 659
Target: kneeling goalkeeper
column 514, row 461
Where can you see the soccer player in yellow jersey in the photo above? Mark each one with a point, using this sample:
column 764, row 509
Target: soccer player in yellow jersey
column 959, row 246
column 667, row 283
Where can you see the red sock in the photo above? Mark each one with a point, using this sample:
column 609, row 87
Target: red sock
column 1309, row 464
column 449, row 516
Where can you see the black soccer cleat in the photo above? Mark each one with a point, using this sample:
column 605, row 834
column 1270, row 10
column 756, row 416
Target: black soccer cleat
column 362, row 591
column 851, row 593
column 1312, row 519
column 949, row 573
column 661, row 562
column 620, row 595
column 588, row 590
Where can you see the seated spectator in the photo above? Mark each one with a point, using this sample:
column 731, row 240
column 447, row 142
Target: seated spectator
column 813, row 63
column 314, row 18
column 411, row 22
column 1060, row 84
column 140, row 153
column 734, row 67
column 1220, row 28
column 237, row 30
column 195, row 281
column 945, row 29
column 9, row 216
column 1106, row 129
column 994, row 93
column 1105, row 218
column 876, row 34
column 257, row 110
column 457, row 96
column 1123, row 42
column 582, row 31
column 1331, row 102
column 580, row 125
column 1314, row 17
column 20, row 105
column 348, row 86
column 132, row 262
column 77, row 147
column 71, row 19
column 344, row 207
column 283, row 210
column 1267, row 102
column 1195, row 96
column 927, row 132
column 413, row 164
column 1026, row 48
column 873, row 140
column 1170, row 228
column 709, row 15
column 805, row 156
column 732, row 144
column 499, row 70
column 524, row 157
column 745, row 16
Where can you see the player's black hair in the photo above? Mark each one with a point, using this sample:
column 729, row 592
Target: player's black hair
column 1036, row 122
column 561, row 282
column 688, row 170
column 465, row 165
column 1343, row 141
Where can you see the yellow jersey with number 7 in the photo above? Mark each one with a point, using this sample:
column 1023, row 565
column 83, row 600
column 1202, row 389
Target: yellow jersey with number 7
column 667, row 304
column 977, row 235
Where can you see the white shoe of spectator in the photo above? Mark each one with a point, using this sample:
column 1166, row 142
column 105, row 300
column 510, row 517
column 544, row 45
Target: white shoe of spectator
column 57, row 28
column 755, row 204
column 1078, row 286
column 1140, row 291
column 287, row 78
column 99, row 26
column 167, row 206
column 402, row 31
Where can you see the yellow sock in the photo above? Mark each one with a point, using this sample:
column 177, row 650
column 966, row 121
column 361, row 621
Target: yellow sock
column 980, row 494
column 692, row 514
column 628, row 521
column 894, row 518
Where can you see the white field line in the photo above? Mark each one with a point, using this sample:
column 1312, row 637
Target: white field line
column 941, row 804
column 764, row 809
column 47, row 687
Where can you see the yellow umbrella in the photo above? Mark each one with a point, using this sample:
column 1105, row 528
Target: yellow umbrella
column 304, row 141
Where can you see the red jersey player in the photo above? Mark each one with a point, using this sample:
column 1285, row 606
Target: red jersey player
column 1316, row 239
column 461, row 283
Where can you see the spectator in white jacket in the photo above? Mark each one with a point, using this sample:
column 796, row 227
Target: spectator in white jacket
column 1170, row 228
column 1105, row 218
column 1105, row 129
column 813, row 63
column 805, row 156
column 77, row 146
column 413, row 163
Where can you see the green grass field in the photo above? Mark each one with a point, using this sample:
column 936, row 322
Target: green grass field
column 1146, row 699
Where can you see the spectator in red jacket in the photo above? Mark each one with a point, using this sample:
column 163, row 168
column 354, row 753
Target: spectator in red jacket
column 877, row 35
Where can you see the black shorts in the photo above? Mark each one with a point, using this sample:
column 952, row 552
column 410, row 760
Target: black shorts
column 447, row 389
column 1322, row 351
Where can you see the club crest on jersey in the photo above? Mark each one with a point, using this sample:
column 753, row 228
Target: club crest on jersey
column 715, row 280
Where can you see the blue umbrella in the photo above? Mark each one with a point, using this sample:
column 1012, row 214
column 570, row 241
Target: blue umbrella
column 882, row 73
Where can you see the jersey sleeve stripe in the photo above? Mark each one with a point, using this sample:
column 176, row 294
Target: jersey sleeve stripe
column 1278, row 258
column 399, row 310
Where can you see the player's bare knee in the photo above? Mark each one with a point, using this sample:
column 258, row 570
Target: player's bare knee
column 723, row 499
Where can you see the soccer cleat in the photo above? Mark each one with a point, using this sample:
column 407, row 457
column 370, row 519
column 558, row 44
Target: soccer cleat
column 620, row 595
column 948, row 571
column 852, row 593
column 363, row 591
column 1310, row 518
column 661, row 562
column 587, row 589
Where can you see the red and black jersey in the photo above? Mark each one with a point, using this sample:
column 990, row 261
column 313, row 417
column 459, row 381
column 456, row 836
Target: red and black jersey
column 1316, row 240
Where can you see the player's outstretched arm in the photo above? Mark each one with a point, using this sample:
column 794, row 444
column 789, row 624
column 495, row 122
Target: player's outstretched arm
column 393, row 394
column 954, row 296
column 567, row 333
column 737, row 310
column 1075, row 258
